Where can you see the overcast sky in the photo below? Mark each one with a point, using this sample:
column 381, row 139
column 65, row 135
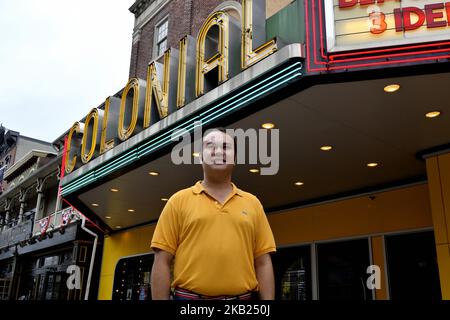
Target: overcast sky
column 59, row 59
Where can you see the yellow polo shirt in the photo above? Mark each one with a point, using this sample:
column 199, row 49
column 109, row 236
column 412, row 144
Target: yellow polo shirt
column 214, row 245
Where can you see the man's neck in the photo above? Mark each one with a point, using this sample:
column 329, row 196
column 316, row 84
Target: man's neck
column 216, row 183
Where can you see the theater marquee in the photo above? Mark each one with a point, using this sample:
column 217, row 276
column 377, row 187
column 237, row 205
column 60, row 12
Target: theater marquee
column 363, row 24
column 237, row 46
column 210, row 77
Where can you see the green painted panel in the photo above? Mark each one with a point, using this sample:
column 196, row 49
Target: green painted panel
column 288, row 24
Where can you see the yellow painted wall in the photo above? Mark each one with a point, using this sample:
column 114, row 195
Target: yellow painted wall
column 401, row 209
column 397, row 210
column 117, row 246
column 438, row 171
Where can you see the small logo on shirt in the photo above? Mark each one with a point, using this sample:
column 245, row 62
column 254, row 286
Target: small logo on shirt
column 244, row 212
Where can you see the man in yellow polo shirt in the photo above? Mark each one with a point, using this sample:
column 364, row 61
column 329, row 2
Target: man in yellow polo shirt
column 218, row 234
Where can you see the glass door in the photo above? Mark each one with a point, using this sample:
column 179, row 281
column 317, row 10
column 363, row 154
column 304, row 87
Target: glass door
column 292, row 270
column 132, row 278
column 342, row 270
column 412, row 266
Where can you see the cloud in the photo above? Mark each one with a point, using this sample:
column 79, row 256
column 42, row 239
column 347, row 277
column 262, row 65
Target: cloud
column 59, row 59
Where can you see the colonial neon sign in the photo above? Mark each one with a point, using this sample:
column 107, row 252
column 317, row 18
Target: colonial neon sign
column 206, row 61
column 361, row 24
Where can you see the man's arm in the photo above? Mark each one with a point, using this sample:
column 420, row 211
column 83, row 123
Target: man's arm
column 264, row 275
column 160, row 279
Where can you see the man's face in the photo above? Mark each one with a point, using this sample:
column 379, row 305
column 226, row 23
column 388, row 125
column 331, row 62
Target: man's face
column 218, row 151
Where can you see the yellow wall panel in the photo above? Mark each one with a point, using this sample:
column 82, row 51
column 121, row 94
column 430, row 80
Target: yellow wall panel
column 437, row 204
column 438, row 171
column 290, row 228
column 106, row 285
column 407, row 208
column 443, row 255
column 391, row 211
column 444, row 167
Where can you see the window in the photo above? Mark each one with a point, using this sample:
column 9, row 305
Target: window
column 51, row 261
column 55, row 289
column 412, row 266
column 161, row 37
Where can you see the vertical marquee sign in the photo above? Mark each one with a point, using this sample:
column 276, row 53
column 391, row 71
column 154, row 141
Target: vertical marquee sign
column 362, row 24
column 347, row 34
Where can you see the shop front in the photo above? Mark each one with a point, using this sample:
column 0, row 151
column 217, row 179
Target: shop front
column 359, row 167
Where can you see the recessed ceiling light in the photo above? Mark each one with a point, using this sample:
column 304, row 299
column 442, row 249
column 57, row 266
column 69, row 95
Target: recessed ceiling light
column 372, row 165
column 95, row 204
column 131, row 210
column 268, row 126
column 433, row 114
column 114, row 190
column 299, row 183
column 254, row 170
column 118, row 227
column 326, row 148
column 164, row 199
column 107, row 217
column 196, row 154
column 392, row 88
column 153, row 173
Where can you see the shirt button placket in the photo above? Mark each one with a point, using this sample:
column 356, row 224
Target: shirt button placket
column 217, row 205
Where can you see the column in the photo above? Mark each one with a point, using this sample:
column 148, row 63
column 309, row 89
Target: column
column 7, row 209
column 58, row 196
column 40, row 194
column 22, row 201
column 438, row 171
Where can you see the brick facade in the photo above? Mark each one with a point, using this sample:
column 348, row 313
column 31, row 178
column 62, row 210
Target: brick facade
column 185, row 17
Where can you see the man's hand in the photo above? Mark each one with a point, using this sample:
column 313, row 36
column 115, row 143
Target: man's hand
column 160, row 279
column 264, row 275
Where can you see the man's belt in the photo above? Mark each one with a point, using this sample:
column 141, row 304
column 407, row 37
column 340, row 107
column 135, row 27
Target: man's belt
column 194, row 296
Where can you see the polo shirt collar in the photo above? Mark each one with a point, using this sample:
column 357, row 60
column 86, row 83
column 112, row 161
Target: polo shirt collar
column 199, row 188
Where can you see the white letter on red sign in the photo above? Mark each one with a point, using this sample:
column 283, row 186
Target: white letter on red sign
column 347, row 3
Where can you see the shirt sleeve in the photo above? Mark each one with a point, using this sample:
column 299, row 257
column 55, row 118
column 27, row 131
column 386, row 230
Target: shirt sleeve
column 167, row 231
column 264, row 242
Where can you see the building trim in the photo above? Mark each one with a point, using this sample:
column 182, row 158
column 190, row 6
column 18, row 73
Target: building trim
column 148, row 14
column 35, row 140
column 314, row 272
column 25, row 159
column 43, row 171
column 154, row 52
column 434, row 152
